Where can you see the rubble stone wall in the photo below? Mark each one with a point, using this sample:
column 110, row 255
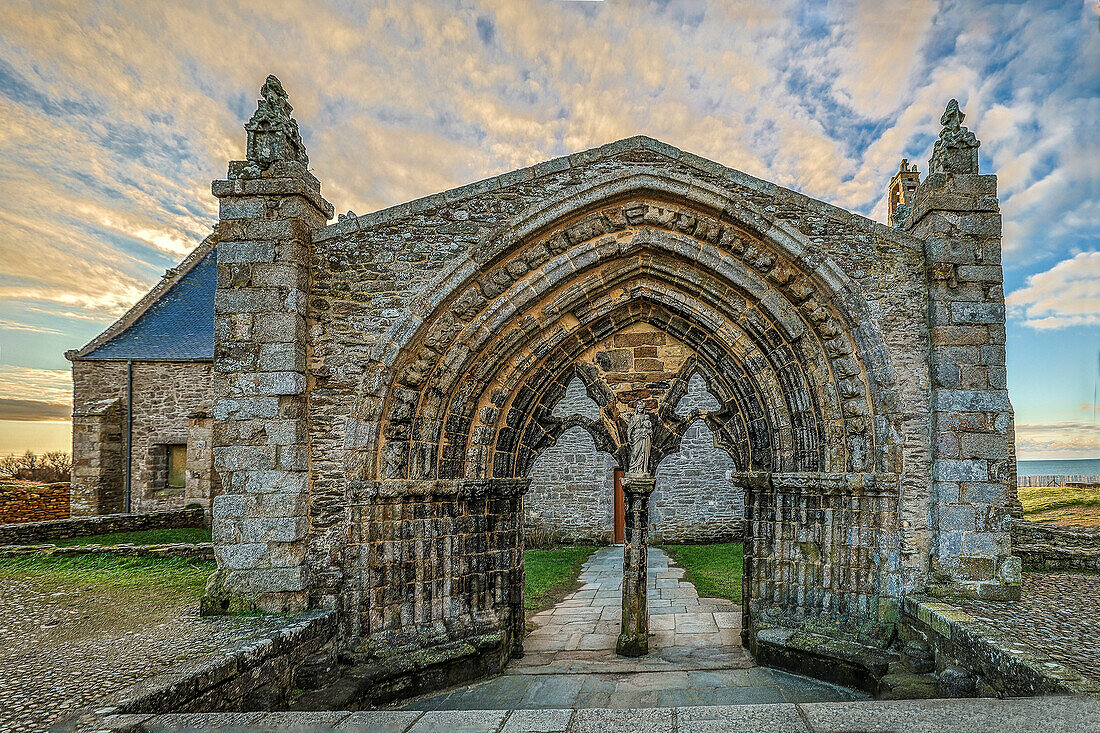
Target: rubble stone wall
column 31, row 502
column 165, row 394
column 61, row 529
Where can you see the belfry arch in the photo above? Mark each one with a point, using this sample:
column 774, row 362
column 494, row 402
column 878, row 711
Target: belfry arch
column 382, row 385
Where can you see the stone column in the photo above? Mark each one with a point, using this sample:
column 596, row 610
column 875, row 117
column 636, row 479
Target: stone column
column 269, row 206
column 634, row 637
column 955, row 211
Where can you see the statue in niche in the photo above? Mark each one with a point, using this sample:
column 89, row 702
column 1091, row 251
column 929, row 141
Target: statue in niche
column 640, row 436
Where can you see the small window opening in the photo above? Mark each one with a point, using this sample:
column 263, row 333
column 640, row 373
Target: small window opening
column 177, row 466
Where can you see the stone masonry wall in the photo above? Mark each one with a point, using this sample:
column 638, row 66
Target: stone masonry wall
column 695, row 500
column 572, row 491
column 165, row 395
column 372, row 272
column 89, row 526
column 30, row 502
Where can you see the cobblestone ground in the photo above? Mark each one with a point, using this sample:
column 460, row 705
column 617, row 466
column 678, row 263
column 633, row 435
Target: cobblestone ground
column 1058, row 613
column 65, row 646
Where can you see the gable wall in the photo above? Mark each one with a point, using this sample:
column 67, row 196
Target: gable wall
column 364, row 280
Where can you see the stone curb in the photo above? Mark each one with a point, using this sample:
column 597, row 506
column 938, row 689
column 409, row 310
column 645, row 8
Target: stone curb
column 994, row 654
column 1063, row 714
column 199, row 551
column 220, row 680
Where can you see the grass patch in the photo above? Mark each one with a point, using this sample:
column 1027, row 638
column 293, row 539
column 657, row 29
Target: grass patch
column 190, row 535
column 1077, row 516
column 113, row 571
column 1037, row 499
column 714, row 570
column 551, row 575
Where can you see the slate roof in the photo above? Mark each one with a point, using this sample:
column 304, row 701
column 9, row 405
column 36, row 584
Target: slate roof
column 178, row 326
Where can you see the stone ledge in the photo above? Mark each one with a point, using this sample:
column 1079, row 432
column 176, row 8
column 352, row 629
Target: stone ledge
column 1007, row 666
column 88, row 526
column 840, row 661
column 255, row 667
column 198, row 551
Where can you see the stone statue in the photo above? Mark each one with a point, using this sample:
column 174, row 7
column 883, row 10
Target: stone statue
column 640, row 436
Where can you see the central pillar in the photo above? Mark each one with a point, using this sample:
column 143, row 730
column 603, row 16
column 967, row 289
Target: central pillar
column 634, row 637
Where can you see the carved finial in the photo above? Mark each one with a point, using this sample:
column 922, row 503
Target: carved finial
column 272, row 132
column 956, row 149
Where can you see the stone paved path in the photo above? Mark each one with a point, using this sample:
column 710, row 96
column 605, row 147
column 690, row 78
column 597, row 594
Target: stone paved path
column 1058, row 613
column 1021, row 715
column 695, row 654
column 65, row 646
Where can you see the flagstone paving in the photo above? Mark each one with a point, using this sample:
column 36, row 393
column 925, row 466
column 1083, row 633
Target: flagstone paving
column 695, row 657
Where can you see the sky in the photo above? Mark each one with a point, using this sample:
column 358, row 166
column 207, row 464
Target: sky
column 115, row 117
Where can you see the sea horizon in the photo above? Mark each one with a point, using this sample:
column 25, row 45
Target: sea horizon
column 1059, row 467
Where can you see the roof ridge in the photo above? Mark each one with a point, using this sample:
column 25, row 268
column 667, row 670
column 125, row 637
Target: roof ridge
column 361, row 222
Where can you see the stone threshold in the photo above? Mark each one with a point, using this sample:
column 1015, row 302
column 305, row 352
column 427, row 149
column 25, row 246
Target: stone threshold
column 1019, row 715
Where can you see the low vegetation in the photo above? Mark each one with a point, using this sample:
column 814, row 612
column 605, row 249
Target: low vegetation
column 47, row 468
column 1072, row 505
column 178, row 576
column 551, row 575
column 714, row 570
column 190, row 535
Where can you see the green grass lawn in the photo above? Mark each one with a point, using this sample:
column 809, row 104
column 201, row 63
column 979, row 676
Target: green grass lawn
column 714, row 570
column 144, row 537
column 171, row 574
column 1043, row 498
column 551, row 575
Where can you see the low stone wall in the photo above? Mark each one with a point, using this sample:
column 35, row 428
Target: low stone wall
column 198, row 551
column 89, row 526
column 1056, row 547
column 30, row 502
column 257, row 674
column 984, row 660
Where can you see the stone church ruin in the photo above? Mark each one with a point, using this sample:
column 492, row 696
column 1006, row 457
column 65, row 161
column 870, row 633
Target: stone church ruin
column 368, row 415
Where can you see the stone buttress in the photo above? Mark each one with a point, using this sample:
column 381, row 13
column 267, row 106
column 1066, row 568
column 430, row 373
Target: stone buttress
column 955, row 211
column 269, row 206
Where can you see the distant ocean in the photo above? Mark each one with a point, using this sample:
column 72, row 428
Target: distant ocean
column 1079, row 467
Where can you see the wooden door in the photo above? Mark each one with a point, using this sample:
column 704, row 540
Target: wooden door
column 620, row 508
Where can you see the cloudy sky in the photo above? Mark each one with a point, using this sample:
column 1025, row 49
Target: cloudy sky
column 115, row 116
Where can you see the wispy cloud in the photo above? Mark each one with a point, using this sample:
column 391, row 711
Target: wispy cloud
column 33, row 411
column 1067, row 294
column 1058, row 440
column 115, row 115
column 46, row 385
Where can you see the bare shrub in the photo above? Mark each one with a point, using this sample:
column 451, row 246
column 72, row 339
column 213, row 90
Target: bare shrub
column 48, row 468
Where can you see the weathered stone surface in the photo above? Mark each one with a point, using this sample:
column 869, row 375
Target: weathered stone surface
column 395, row 380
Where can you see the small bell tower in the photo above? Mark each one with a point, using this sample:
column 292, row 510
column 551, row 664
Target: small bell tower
column 902, row 186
